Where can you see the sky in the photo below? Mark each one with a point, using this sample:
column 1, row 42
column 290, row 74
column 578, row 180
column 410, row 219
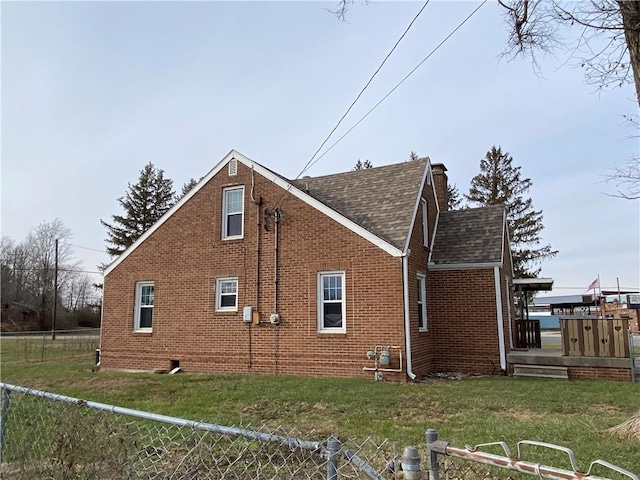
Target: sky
column 92, row 91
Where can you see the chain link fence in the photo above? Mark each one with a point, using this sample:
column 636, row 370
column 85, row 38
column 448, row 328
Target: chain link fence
column 49, row 436
column 46, row 346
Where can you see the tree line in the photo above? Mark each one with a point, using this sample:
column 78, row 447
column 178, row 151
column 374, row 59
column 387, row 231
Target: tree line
column 27, row 283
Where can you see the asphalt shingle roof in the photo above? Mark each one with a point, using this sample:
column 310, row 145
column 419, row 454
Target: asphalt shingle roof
column 472, row 235
column 379, row 199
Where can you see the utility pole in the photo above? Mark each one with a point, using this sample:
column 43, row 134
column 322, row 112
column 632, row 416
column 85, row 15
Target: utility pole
column 55, row 295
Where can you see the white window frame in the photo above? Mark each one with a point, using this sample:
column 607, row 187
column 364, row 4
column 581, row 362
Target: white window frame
column 422, row 301
column 425, row 222
column 138, row 307
column 219, row 294
column 321, row 302
column 225, row 214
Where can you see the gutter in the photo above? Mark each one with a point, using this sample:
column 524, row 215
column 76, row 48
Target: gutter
column 407, row 323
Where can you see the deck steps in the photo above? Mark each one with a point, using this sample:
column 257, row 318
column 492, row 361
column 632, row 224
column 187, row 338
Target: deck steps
column 540, row 371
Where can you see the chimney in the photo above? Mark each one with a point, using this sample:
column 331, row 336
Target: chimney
column 440, row 185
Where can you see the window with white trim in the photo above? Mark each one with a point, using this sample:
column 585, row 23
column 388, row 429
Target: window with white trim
column 233, row 212
column 143, row 314
column 227, row 294
column 331, row 302
column 422, row 302
column 425, row 223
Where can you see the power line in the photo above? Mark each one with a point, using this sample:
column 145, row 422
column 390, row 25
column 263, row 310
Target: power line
column 87, row 248
column 311, row 160
column 311, row 164
column 362, row 91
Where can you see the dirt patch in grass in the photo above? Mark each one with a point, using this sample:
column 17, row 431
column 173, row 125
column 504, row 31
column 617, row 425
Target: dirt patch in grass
column 603, row 409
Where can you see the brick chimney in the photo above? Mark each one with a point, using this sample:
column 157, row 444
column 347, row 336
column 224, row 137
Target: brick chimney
column 440, row 185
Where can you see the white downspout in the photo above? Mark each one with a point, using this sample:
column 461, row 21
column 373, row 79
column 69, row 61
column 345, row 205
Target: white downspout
column 407, row 323
column 503, row 357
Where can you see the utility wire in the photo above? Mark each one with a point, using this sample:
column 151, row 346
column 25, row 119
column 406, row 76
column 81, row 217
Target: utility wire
column 311, row 164
column 311, row 160
column 86, row 248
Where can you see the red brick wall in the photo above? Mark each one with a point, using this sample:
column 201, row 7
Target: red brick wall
column 463, row 319
column 185, row 255
column 599, row 373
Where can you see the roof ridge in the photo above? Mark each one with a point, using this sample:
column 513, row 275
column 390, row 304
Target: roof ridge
column 363, row 170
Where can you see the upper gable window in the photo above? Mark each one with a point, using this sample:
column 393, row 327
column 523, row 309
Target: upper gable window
column 425, row 223
column 232, row 212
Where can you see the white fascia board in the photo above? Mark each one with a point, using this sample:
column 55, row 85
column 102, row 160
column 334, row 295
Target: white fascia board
column 462, row 266
column 427, row 170
column 269, row 175
column 171, row 211
column 433, row 236
column 309, row 200
column 433, row 185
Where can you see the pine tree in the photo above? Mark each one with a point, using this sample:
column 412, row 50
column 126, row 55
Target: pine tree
column 362, row 165
column 143, row 204
column 454, row 202
column 186, row 188
column 499, row 182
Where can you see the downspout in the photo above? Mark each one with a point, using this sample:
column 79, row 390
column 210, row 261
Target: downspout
column 276, row 215
column 407, row 323
column 503, row 357
column 257, row 202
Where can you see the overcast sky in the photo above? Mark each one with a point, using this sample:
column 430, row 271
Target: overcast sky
column 93, row 91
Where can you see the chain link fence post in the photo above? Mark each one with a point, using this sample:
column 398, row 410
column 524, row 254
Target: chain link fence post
column 333, row 447
column 3, row 419
column 432, row 456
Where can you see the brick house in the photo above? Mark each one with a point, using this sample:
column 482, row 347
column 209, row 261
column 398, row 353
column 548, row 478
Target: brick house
column 362, row 273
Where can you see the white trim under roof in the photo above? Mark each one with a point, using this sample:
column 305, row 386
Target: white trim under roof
column 281, row 182
column 462, row 266
column 416, row 205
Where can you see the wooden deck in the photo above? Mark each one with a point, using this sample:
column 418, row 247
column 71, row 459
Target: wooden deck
column 554, row 357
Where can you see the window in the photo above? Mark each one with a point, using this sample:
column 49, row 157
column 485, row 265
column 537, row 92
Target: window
column 232, row 212
column 425, row 223
column 422, row 303
column 331, row 302
column 227, row 294
column 143, row 315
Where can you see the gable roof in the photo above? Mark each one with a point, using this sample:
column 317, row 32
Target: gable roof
column 470, row 237
column 371, row 227
column 379, row 199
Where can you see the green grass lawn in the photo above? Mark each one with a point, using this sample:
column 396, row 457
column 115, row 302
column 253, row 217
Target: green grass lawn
column 472, row 411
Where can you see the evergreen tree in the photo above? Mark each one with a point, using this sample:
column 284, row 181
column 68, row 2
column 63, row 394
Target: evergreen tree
column 186, row 188
column 454, row 202
column 499, row 182
column 413, row 156
column 362, row 165
column 143, row 204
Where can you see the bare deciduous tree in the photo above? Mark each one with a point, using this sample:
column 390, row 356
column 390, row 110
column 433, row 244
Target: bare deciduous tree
column 28, row 272
column 608, row 47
